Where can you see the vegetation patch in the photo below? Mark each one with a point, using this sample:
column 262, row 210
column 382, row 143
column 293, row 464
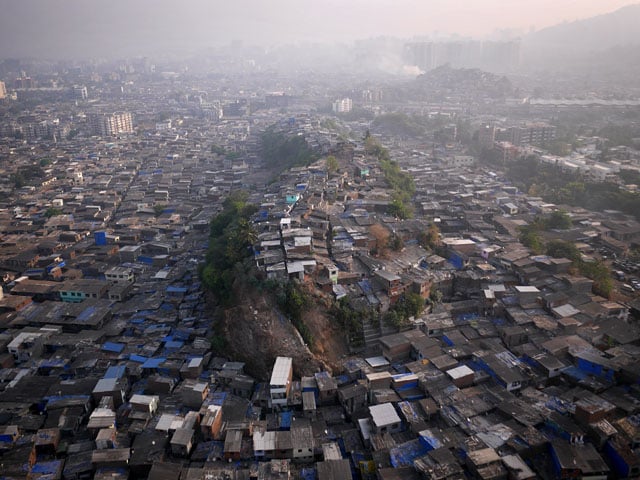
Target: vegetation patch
column 281, row 151
column 400, row 182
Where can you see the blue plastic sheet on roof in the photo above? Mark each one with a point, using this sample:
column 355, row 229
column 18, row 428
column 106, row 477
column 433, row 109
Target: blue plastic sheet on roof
column 173, row 289
column 182, row 334
column 308, row 473
column 575, row 373
column 447, row 341
column 159, row 327
column 403, row 455
column 401, row 369
column 429, row 441
column 47, row 468
column 153, row 362
column 173, row 344
column 399, row 376
column 113, row 347
column 218, row 398
column 116, row 371
column 365, row 286
column 53, row 363
column 285, row 420
column 54, row 398
column 510, row 300
column 120, row 471
column 86, row 314
column 137, row 358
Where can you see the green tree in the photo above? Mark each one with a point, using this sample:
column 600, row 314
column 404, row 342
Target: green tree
column 230, row 240
column 350, row 320
column 399, row 209
column 531, row 239
column 398, row 124
column 394, row 319
column 218, row 150
column 413, row 304
column 18, row 180
column 293, row 301
column 332, row 164
column 601, row 276
column 282, row 151
column 158, row 209
column 558, row 220
column 52, row 212
column 562, row 249
column 395, row 242
column 435, row 296
column 409, row 305
column 430, row 239
column 239, row 237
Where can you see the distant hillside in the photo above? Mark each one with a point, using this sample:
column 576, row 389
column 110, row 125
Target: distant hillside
column 592, row 34
column 594, row 45
column 447, row 82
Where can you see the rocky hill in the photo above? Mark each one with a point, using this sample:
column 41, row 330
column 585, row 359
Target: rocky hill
column 446, row 82
column 256, row 332
column 592, row 34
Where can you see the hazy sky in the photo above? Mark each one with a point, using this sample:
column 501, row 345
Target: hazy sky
column 68, row 28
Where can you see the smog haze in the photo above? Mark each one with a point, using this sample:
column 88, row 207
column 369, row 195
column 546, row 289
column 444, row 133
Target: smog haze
column 89, row 28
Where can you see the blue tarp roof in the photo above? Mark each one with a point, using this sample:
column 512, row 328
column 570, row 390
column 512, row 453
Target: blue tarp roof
column 113, row 347
column 403, row 455
column 285, row 420
column 153, row 362
column 308, row 473
column 575, row 372
column 138, row 358
column 47, row 467
column 429, row 440
column 53, row 362
column 116, row 371
column 218, row 398
column 86, row 314
column 172, row 289
column 182, row 334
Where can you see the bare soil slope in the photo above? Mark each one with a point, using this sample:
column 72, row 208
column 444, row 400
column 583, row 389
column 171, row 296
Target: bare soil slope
column 256, row 333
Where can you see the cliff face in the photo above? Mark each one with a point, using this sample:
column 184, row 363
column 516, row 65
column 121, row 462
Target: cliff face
column 256, row 333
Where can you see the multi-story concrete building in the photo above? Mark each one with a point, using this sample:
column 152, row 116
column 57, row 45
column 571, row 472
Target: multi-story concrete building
column 280, row 383
column 80, row 92
column 498, row 55
column 343, row 105
column 111, row 124
column 529, row 134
